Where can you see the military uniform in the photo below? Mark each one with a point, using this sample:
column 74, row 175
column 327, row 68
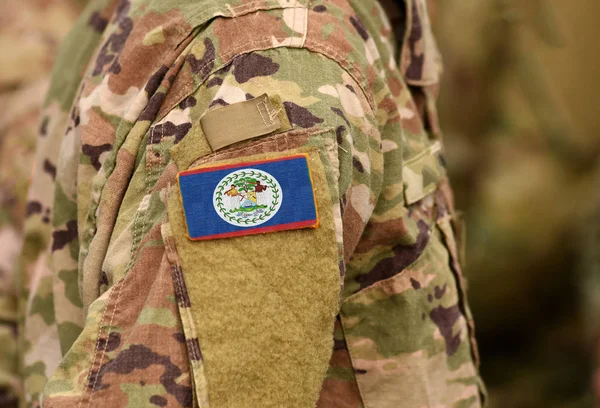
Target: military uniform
column 249, row 209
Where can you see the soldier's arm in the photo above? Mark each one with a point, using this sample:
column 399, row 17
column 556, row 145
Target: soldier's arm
column 275, row 294
column 246, row 312
column 186, row 292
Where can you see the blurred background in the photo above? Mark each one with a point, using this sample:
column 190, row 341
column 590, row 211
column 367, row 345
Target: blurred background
column 522, row 132
column 522, row 124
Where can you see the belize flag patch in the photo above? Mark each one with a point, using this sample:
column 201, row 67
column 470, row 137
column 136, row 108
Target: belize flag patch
column 248, row 198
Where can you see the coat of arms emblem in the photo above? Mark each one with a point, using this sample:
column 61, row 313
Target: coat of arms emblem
column 247, row 197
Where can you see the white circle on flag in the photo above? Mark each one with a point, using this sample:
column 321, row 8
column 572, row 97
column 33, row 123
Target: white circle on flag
column 247, row 197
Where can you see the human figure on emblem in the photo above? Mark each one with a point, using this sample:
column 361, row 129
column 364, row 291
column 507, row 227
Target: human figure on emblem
column 259, row 188
column 234, row 196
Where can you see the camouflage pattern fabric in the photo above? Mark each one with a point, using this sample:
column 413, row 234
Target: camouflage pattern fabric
column 109, row 319
column 29, row 36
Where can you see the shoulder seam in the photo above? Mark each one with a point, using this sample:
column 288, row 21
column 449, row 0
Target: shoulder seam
column 298, row 40
column 333, row 55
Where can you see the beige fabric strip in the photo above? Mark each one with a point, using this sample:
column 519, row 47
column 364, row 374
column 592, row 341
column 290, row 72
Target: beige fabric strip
column 241, row 121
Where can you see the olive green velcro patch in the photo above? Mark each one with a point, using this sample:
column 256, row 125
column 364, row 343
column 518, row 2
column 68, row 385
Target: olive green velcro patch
column 242, row 121
column 264, row 305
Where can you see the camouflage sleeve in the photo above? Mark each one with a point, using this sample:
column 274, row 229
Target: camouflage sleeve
column 237, row 182
column 329, row 120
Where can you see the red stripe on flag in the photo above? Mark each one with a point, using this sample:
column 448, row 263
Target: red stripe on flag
column 263, row 230
column 239, row 165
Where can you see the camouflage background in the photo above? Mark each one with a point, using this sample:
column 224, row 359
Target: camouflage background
column 520, row 123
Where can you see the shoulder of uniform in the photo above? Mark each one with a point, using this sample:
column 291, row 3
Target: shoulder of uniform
column 334, row 31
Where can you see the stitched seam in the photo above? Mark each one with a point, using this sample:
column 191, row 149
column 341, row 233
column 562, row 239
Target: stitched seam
column 186, row 315
column 233, row 10
column 267, row 43
column 343, row 62
column 326, row 50
column 178, row 286
column 273, row 115
column 405, row 57
column 136, row 224
column 100, row 328
column 412, row 266
column 228, row 58
column 119, row 291
column 236, row 9
column 96, row 349
column 137, row 231
column 358, row 384
column 261, row 115
column 171, row 249
column 305, row 36
column 429, row 151
column 294, row 32
column 120, row 285
column 411, row 199
column 106, row 343
column 233, row 53
column 274, row 138
column 155, row 167
column 460, row 282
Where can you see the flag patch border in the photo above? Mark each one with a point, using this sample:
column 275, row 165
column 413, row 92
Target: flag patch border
column 305, row 224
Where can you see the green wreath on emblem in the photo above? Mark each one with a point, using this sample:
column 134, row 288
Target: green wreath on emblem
column 233, row 179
